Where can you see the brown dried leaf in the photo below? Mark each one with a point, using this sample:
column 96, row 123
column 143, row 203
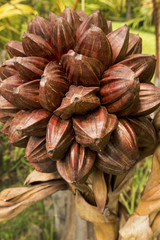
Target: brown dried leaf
column 87, row 211
column 150, row 200
column 99, row 189
column 35, row 177
column 14, row 200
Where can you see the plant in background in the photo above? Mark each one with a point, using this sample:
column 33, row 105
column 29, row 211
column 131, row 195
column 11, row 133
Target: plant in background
column 77, row 96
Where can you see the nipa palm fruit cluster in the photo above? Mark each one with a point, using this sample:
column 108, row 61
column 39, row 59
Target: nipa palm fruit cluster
column 77, row 95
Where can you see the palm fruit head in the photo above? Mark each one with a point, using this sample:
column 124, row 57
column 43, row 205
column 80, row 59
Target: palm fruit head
column 78, row 95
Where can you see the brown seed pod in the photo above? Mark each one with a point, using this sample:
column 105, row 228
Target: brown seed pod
column 7, row 70
column 72, row 18
column 119, row 43
column 121, row 152
column 26, row 96
column 93, row 130
column 120, row 88
column 93, row 43
column 47, row 167
column 7, row 110
column 78, row 100
column 53, row 86
column 113, row 161
column 7, row 86
column 52, row 17
column 6, row 126
column 59, row 137
column 142, row 64
column 82, row 15
column 149, row 100
column 134, row 44
column 144, row 130
column 30, row 67
column 35, row 45
column 95, row 19
column 31, row 123
column 77, row 164
column 15, row 49
column 41, row 27
column 82, row 70
column 36, row 150
column 63, row 37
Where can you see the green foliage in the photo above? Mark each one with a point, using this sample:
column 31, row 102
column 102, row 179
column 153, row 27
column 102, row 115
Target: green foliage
column 131, row 197
column 12, row 16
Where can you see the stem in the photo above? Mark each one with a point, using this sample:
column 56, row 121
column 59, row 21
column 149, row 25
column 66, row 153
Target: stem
column 75, row 4
column 83, row 5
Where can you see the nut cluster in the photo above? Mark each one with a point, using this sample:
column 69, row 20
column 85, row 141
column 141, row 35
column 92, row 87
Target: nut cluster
column 77, row 96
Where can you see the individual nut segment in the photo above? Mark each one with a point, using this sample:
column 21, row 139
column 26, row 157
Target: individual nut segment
column 30, row 67
column 119, row 43
column 142, row 64
column 41, row 27
column 35, row 45
column 77, row 164
column 7, row 110
column 148, row 101
column 93, row 130
column 82, row 70
column 59, row 137
column 53, row 86
column 95, row 19
column 63, row 37
column 121, row 152
column 15, row 49
column 72, row 17
column 93, row 43
column 31, row 123
column 78, row 100
column 120, row 88
column 134, row 44
column 144, row 130
column 7, row 86
column 26, row 96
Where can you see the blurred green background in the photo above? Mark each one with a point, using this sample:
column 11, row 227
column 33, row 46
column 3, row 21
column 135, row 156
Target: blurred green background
column 35, row 222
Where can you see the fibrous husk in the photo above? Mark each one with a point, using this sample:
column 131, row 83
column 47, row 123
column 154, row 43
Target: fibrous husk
column 78, row 100
column 14, row 200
